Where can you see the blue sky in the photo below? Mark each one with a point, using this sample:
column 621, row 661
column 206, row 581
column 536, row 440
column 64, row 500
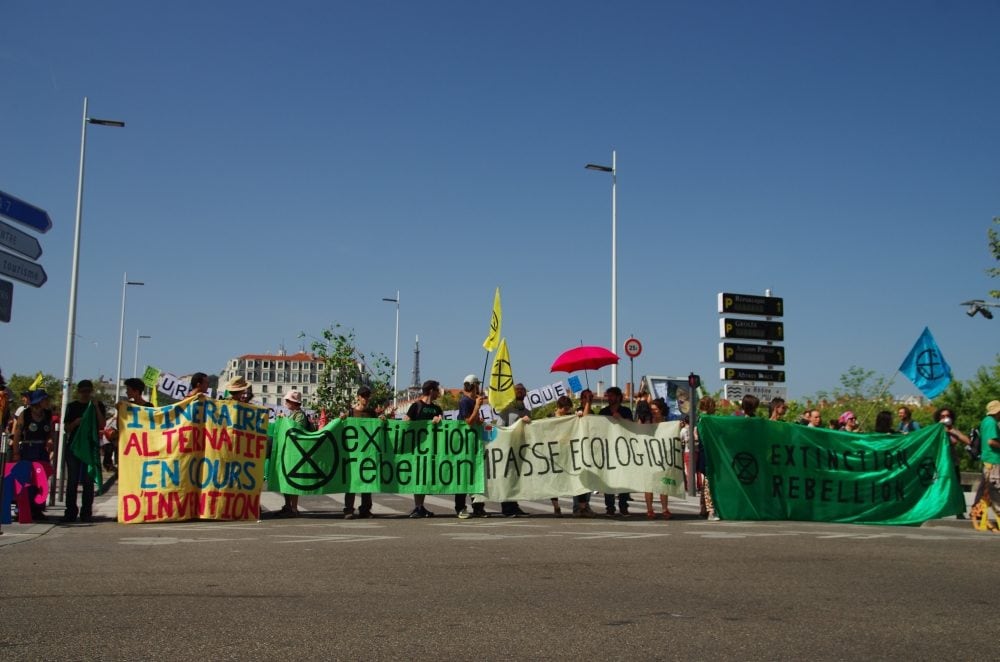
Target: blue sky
column 285, row 166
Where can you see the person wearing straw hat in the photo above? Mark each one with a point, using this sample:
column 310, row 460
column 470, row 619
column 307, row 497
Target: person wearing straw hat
column 293, row 401
column 238, row 389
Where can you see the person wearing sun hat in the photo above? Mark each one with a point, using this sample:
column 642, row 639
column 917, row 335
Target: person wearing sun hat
column 238, row 389
column 991, row 453
column 293, row 401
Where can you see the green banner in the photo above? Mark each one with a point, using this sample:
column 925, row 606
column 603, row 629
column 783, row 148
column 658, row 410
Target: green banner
column 371, row 455
column 765, row 470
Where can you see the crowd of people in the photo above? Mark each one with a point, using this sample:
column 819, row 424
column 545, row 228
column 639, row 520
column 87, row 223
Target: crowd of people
column 32, row 430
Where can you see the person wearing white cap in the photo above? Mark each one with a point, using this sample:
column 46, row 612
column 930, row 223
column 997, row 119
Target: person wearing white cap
column 293, row 400
column 468, row 410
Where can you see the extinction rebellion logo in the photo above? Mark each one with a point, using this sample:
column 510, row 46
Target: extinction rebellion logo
column 745, row 467
column 308, row 473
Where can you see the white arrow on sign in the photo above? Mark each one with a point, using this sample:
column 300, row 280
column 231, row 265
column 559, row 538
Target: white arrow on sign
column 20, row 242
column 22, row 270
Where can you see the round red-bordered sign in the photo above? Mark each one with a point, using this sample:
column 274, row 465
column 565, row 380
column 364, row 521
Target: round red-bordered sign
column 633, row 347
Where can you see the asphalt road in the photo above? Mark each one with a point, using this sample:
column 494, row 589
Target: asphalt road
column 321, row 587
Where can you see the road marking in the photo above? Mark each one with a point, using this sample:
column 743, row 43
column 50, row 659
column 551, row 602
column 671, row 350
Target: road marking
column 331, row 538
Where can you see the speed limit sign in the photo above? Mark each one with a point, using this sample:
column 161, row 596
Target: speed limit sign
column 633, row 347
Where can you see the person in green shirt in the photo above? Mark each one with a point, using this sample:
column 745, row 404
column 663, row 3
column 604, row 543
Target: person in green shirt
column 991, row 454
column 293, row 401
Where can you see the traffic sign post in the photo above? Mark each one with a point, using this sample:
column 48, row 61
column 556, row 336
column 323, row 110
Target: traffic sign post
column 6, row 299
column 750, row 329
column 633, row 348
column 751, row 304
column 22, row 270
column 737, row 352
column 19, row 242
column 751, row 375
column 24, row 213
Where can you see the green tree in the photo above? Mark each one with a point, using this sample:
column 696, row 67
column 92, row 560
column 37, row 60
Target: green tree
column 345, row 369
column 18, row 384
column 994, row 238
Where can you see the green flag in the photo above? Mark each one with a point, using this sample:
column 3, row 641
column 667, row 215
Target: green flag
column 766, row 470
column 86, row 445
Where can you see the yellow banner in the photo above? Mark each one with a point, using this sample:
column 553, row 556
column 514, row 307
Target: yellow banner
column 197, row 459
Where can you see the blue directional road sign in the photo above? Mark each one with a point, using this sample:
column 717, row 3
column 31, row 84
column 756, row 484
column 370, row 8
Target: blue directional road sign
column 24, row 213
column 19, row 242
column 22, row 270
column 6, row 299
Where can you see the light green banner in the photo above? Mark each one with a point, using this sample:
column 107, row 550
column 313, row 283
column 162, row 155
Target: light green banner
column 370, row 455
column 765, row 470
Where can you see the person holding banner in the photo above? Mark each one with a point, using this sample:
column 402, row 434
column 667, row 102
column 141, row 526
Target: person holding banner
column 199, row 384
column 34, row 439
column 425, row 409
column 133, row 392
column 658, row 414
column 581, row 502
column 991, row 454
column 469, row 406
column 76, row 470
column 615, row 409
column 956, row 439
column 361, row 409
column 239, row 390
column 510, row 415
column 293, row 401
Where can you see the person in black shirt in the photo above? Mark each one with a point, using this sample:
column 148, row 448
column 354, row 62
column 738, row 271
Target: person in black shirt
column 425, row 409
column 615, row 409
column 75, row 469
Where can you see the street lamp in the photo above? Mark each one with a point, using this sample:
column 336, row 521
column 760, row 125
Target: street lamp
column 135, row 365
column 981, row 307
column 613, row 169
column 74, row 275
column 395, row 360
column 121, row 336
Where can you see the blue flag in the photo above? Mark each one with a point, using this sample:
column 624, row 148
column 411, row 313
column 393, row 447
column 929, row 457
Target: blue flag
column 926, row 367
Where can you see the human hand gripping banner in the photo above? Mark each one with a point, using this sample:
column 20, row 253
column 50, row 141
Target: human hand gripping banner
column 198, row 458
column 766, row 470
column 572, row 455
column 370, row 455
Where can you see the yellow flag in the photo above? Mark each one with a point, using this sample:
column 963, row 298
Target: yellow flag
column 152, row 397
column 501, row 379
column 38, row 381
column 493, row 339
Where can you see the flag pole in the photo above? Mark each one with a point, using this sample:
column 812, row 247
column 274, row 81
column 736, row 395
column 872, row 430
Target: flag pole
column 486, row 366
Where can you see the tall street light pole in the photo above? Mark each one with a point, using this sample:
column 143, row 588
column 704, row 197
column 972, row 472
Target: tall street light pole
column 395, row 359
column 135, row 365
column 121, row 337
column 613, row 169
column 74, row 275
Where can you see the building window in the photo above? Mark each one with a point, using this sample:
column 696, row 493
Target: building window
column 250, row 363
column 312, row 379
column 281, row 377
column 265, row 364
column 281, row 365
column 305, row 389
column 263, row 389
column 295, row 365
column 279, row 388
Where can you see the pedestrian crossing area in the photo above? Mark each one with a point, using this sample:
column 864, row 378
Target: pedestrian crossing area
column 400, row 505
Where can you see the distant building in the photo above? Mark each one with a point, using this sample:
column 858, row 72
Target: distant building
column 273, row 375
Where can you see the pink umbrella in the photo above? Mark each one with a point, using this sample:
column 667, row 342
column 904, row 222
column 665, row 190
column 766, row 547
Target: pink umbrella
column 583, row 358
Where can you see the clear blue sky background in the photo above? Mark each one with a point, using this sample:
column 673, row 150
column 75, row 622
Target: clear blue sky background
column 287, row 165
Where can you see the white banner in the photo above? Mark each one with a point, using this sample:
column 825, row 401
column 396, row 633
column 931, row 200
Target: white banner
column 573, row 455
column 543, row 395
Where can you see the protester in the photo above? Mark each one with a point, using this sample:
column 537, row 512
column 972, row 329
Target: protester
column 238, row 389
column 581, row 502
column 109, row 442
column 76, row 471
column 424, row 409
column 906, row 422
column 706, row 406
column 564, row 407
column 134, row 388
column 991, row 454
column 362, row 408
column 776, row 409
column 199, row 384
column 4, row 402
column 956, row 439
column 748, row 406
column 849, row 422
column 642, row 407
column 509, row 415
column 615, row 409
column 34, row 439
column 658, row 414
column 883, row 422
column 469, row 406
column 814, row 418
column 293, row 402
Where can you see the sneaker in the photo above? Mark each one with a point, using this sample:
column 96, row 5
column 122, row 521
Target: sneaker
column 520, row 513
column 417, row 513
column 464, row 514
column 714, row 518
column 364, row 514
column 587, row 512
column 479, row 511
column 623, row 511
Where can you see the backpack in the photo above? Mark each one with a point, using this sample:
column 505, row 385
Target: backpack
column 975, row 447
